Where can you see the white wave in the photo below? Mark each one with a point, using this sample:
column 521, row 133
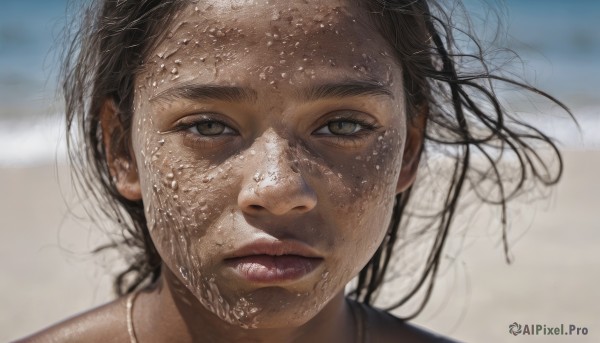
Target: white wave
column 38, row 142
column 564, row 130
column 30, row 142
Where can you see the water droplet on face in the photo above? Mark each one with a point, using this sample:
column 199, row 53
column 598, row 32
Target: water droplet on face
column 174, row 71
column 170, row 176
column 252, row 152
column 377, row 167
column 184, row 273
column 174, row 185
column 161, row 142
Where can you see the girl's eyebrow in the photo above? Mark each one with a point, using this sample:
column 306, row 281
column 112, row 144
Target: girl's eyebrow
column 197, row 92
column 347, row 88
column 207, row 92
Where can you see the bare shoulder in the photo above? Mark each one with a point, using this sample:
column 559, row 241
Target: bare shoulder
column 384, row 327
column 106, row 323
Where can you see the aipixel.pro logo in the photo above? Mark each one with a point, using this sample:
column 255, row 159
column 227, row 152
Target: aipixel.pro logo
column 516, row 329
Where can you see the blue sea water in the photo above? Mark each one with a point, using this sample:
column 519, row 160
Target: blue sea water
column 558, row 41
column 28, row 30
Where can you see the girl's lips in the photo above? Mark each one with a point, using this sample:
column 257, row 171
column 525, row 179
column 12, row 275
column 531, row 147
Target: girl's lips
column 270, row 261
column 273, row 269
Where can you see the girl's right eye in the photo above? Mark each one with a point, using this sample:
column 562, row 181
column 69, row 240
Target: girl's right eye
column 210, row 128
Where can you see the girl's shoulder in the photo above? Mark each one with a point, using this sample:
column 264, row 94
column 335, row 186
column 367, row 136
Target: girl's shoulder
column 381, row 326
column 106, row 323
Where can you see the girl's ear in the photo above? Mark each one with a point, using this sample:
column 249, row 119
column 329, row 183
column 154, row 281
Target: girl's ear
column 121, row 162
column 415, row 134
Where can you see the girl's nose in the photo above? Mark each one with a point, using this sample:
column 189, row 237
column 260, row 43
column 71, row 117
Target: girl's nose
column 275, row 185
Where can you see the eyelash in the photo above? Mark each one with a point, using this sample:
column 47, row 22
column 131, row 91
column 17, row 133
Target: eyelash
column 365, row 128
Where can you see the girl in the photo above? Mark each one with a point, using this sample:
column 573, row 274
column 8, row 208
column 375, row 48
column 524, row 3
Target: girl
column 260, row 155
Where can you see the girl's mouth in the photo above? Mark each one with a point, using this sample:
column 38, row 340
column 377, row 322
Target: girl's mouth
column 268, row 269
column 273, row 261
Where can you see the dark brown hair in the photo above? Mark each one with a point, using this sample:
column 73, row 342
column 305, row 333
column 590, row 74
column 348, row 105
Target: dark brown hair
column 114, row 37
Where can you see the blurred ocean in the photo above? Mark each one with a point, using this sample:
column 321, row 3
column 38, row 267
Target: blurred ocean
column 558, row 42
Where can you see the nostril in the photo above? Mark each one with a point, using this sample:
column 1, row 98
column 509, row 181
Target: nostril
column 256, row 207
column 294, row 168
column 301, row 209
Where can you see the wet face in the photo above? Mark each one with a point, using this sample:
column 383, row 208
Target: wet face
column 268, row 139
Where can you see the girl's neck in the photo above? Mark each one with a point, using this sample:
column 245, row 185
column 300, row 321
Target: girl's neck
column 169, row 312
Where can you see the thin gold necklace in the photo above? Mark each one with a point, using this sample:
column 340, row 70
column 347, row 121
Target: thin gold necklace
column 355, row 307
column 130, row 329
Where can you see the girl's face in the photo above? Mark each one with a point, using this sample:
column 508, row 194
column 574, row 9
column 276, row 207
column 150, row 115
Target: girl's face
column 268, row 139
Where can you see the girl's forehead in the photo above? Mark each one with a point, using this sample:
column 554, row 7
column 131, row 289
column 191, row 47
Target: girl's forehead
column 270, row 41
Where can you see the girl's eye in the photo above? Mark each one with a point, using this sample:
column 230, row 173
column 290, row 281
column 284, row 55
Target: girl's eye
column 343, row 128
column 210, row 128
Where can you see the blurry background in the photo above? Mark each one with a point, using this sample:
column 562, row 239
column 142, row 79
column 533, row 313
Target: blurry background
column 45, row 239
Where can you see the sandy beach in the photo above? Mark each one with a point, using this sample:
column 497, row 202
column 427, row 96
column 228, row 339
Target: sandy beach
column 49, row 274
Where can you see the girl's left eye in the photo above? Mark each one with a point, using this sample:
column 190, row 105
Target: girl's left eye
column 210, row 128
column 343, row 127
